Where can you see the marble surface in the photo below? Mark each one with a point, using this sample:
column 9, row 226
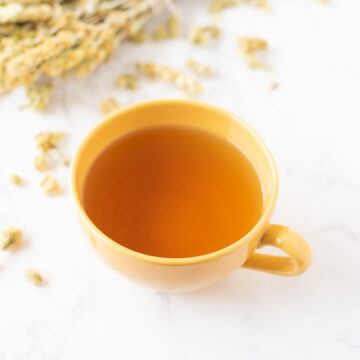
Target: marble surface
column 311, row 124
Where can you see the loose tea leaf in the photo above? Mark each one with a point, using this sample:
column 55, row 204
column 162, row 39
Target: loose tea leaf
column 10, row 237
column 39, row 96
column 40, row 162
column 249, row 47
column 187, row 83
column 127, row 81
column 204, row 35
column 199, row 69
column 139, row 36
column 170, row 29
column 50, row 186
column 108, row 106
column 16, row 179
column 174, row 26
column 48, row 140
column 58, row 156
column 34, row 277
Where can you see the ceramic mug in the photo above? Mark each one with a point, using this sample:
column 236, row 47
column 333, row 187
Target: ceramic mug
column 191, row 273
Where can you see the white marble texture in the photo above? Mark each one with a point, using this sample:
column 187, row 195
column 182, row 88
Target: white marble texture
column 311, row 124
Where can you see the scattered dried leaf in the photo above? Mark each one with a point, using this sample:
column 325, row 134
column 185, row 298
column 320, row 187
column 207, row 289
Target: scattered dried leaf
column 58, row 156
column 40, row 162
column 249, row 47
column 50, row 186
column 139, row 36
column 39, row 96
column 10, row 237
column 204, row 35
column 160, row 33
column 16, row 179
column 198, row 68
column 34, row 277
column 174, row 26
column 127, row 81
column 187, row 83
column 48, row 140
column 108, row 106
column 170, row 29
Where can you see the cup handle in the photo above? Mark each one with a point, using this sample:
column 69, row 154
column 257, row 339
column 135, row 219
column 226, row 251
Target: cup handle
column 289, row 241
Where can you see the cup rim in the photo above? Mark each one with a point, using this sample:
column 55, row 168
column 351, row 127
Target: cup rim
column 164, row 260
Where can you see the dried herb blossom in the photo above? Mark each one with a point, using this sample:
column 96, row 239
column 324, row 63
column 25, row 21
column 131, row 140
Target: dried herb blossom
column 249, row 48
column 16, row 179
column 204, row 35
column 40, row 162
column 127, row 81
column 34, row 277
column 39, row 96
column 50, row 186
column 187, row 83
column 48, row 140
column 10, row 237
column 170, row 29
column 199, row 69
column 108, row 106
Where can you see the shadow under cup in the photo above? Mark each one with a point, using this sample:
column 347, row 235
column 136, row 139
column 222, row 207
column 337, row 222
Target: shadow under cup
column 175, row 274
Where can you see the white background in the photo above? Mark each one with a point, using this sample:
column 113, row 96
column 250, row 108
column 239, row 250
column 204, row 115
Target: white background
column 311, row 124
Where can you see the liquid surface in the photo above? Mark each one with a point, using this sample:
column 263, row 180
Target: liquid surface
column 173, row 191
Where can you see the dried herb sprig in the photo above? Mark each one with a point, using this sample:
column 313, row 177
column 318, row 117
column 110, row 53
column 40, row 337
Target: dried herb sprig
column 53, row 38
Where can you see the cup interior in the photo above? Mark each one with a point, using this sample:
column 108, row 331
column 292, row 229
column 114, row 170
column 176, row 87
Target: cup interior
column 178, row 112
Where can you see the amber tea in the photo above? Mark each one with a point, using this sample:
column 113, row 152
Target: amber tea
column 173, row 191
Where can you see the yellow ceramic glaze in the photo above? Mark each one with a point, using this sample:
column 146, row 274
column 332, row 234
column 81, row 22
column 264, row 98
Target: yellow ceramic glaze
column 186, row 274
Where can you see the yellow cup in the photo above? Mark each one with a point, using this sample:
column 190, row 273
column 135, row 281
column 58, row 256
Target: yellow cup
column 187, row 274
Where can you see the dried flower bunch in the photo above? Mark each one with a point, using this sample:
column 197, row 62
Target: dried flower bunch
column 54, row 37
